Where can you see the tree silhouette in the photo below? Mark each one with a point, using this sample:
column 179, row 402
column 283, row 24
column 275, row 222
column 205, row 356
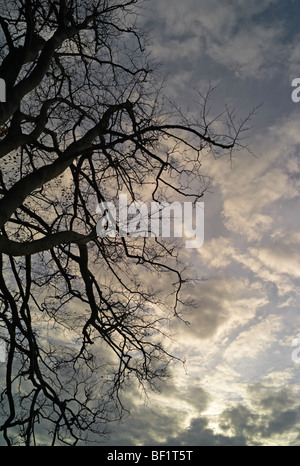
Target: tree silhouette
column 83, row 316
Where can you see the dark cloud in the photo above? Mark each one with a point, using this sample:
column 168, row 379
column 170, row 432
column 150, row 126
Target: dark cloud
column 243, row 426
column 197, row 397
column 282, row 422
column 270, row 400
column 200, row 434
column 281, row 409
column 268, row 415
column 272, row 412
column 240, row 420
column 152, row 423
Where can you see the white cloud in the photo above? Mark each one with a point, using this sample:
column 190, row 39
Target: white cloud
column 256, row 191
column 218, row 252
column 254, row 342
column 281, row 259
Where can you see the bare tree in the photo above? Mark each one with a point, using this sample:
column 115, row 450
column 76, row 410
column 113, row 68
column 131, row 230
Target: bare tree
column 85, row 316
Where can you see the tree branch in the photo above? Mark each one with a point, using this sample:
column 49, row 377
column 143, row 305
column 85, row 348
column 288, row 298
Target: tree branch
column 28, row 248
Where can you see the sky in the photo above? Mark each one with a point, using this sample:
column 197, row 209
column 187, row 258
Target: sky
column 240, row 383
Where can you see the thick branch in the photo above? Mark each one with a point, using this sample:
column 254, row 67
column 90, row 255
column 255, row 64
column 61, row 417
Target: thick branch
column 13, row 248
column 24, row 187
column 15, row 95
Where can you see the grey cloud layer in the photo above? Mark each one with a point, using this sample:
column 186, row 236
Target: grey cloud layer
column 233, row 34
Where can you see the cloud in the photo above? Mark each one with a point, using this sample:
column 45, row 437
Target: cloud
column 250, row 52
column 200, row 434
column 282, row 259
column 281, row 409
column 218, row 252
column 242, row 322
column 228, row 33
column 153, row 422
column 195, row 396
column 275, row 265
column 258, row 428
column 221, row 304
column 258, row 193
column 267, row 417
column 254, row 342
column 239, row 420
